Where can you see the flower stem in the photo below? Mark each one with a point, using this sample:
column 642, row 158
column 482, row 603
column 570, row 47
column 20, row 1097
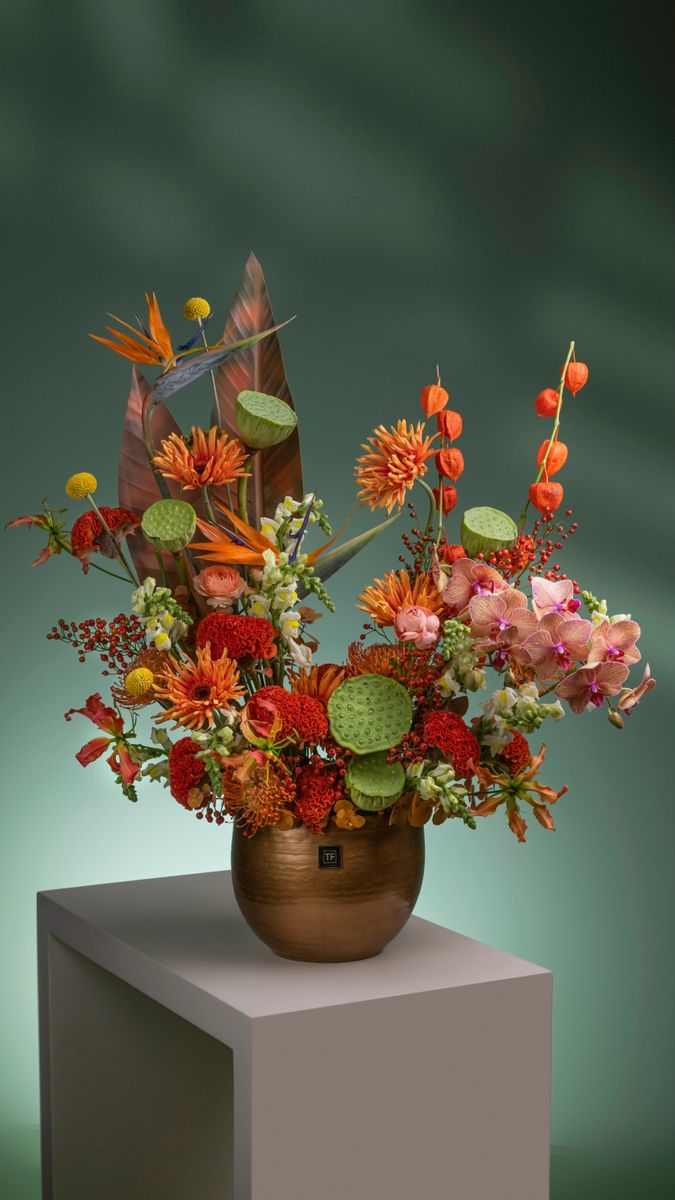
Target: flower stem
column 432, row 506
column 207, row 505
column 554, row 433
column 116, row 549
column 213, row 378
column 242, row 492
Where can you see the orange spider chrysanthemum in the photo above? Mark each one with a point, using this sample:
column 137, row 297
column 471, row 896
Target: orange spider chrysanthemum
column 204, row 459
column 196, row 691
column 151, row 345
column 319, row 682
column 385, row 597
column 379, row 659
column 394, row 459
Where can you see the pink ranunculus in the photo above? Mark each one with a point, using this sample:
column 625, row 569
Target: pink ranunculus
column 553, row 596
column 631, row 696
column 418, row 625
column 615, row 643
column 559, row 640
column 591, row 685
column 469, row 579
column 222, row 586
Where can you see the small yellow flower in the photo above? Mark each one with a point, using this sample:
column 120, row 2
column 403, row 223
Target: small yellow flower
column 138, row 682
column 81, row 485
column 196, row 308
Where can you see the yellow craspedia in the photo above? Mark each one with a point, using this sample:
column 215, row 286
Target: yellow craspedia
column 196, row 308
column 140, row 681
column 81, row 485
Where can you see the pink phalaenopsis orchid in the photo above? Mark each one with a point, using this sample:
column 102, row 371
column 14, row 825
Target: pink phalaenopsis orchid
column 559, row 641
column 615, row 643
column 107, row 719
column 630, row 697
column 417, row 625
column 589, row 686
column 553, row 596
column 502, row 623
column 468, row 579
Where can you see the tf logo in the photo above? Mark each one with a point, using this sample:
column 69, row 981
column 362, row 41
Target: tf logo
column 330, row 856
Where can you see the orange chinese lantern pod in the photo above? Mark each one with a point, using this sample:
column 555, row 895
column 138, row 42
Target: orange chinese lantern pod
column 546, row 403
column 449, row 497
column 450, row 554
column 433, row 398
column 547, row 497
column 450, row 463
column 449, row 424
column 557, row 457
column 576, row 376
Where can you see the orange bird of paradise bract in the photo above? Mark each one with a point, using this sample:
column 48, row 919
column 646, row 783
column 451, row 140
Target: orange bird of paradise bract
column 244, row 547
column 152, row 346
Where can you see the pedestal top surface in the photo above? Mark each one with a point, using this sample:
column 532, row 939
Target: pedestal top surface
column 190, row 926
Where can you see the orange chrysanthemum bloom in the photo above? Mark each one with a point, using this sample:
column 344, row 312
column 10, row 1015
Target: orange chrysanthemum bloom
column 394, row 459
column 319, row 682
column 194, row 692
column 203, row 459
column 385, row 597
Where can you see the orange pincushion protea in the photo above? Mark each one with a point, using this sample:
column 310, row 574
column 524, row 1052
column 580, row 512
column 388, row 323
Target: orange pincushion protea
column 151, row 660
column 204, row 459
column 385, row 597
column 377, row 659
column 195, row 691
column 394, row 459
column 256, row 792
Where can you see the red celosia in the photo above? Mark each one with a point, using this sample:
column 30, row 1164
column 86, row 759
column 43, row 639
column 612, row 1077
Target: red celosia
column 237, row 636
column 316, row 794
column 447, row 732
column 516, row 753
column 88, row 534
column 186, row 771
column 302, row 717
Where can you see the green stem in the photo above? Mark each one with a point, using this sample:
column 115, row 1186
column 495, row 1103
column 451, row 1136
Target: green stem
column 107, row 572
column 242, row 492
column 162, row 568
column 182, row 573
column 432, row 506
column 207, row 505
column 211, row 373
column 554, row 433
column 117, row 549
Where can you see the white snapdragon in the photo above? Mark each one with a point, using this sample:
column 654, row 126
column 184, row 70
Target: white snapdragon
column 438, row 783
column 301, row 654
column 166, row 623
column 510, row 708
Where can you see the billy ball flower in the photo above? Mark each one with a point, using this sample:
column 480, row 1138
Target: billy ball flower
column 80, row 485
column 196, row 309
column 139, row 681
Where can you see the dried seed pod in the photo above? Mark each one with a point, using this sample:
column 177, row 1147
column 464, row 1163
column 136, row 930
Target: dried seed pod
column 449, row 423
column 546, row 403
column 450, row 463
column 433, row 398
column 576, row 376
column 547, row 497
column 449, row 497
column 556, row 458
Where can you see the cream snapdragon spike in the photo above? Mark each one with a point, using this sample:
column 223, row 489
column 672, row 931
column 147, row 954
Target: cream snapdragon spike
column 474, row 638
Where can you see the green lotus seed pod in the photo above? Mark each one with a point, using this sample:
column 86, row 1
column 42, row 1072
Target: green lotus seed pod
column 374, row 783
column 169, row 524
column 486, row 530
column 263, row 420
column 369, row 713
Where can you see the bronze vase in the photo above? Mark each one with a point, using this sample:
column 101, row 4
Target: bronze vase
column 334, row 896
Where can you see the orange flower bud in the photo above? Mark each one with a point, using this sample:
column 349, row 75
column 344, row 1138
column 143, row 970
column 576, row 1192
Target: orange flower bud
column 576, row 376
column 547, row 497
column 433, row 398
column 449, row 497
column 557, row 457
column 450, row 554
column 546, row 403
column 449, row 424
column 450, row 463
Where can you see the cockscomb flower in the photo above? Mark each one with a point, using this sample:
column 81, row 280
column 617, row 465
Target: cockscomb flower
column 559, row 640
column 553, row 596
column 89, row 536
column 615, row 641
column 590, row 686
column 239, row 637
column 384, row 598
column 203, row 459
column 394, row 459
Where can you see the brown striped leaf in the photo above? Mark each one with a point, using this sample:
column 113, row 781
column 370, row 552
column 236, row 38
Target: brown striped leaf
column 191, row 368
column 277, row 471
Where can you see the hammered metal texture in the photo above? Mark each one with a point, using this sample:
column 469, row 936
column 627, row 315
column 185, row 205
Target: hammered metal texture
column 321, row 914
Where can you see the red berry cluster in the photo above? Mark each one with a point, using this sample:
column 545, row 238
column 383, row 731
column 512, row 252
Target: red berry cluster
column 117, row 643
column 535, row 550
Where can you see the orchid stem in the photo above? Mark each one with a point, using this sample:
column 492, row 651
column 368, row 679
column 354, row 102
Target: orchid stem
column 116, row 549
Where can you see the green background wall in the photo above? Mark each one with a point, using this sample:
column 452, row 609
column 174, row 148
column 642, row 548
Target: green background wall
column 423, row 182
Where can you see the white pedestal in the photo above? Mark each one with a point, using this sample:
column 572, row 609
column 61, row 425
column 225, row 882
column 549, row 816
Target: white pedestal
column 181, row 1059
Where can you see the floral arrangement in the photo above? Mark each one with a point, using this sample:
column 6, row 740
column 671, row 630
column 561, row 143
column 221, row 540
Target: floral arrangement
column 214, row 541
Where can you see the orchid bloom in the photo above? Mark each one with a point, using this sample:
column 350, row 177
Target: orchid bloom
column 466, row 580
column 553, row 596
column 589, row 686
column 558, row 641
column 629, row 697
column 106, row 718
column 502, row 624
column 614, row 641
